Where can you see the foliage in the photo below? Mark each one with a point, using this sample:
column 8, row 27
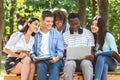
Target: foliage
column 22, row 12
column 33, row 8
column 114, row 18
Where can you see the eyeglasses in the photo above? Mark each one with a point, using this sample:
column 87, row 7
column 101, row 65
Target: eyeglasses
column 96, row 17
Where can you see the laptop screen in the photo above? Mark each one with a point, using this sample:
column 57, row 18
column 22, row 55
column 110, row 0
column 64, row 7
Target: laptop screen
column 78, row 52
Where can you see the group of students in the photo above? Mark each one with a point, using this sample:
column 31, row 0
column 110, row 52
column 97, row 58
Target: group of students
column 52, row 38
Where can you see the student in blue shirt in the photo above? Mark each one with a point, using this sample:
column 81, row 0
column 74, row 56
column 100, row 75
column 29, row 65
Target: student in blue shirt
column 106, row 49
column 48, row 41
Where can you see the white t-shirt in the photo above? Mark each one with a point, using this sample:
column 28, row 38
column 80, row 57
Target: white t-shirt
column 44, row 44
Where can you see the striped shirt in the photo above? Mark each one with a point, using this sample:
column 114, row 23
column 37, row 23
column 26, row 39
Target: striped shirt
column 84, row 39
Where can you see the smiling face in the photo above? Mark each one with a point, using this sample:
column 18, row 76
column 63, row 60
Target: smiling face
column 47, row 23
column 94, row 27
column 59, row 23
column 34, row 26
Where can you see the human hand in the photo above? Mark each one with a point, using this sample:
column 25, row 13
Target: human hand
column 22, row 55
column 53, row 60
column 26, row 52
column 90, row 57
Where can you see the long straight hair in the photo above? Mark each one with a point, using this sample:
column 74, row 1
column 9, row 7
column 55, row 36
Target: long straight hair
column 102, row 31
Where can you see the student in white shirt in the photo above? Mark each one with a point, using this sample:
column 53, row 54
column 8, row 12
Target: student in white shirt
column 18, row 49
column 48, row 41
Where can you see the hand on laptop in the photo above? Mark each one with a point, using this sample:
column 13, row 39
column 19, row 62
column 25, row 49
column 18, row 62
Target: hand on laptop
column 90, row 57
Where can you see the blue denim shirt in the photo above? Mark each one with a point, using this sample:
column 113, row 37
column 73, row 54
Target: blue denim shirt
column 56, row 43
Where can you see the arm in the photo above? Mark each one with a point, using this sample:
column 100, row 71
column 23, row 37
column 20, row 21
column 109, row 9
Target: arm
column 21, row 55
column 91, row 43
column 65, row 37
column 112, row 43
column 60, row 49
column 33, row 54
column 36, row 44
column 34, row 49
column 60, row 46
column 8, row 51
column 10, row 46
column 92, row 56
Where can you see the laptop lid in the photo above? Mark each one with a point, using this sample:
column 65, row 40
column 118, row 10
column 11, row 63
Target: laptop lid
column 78, row 52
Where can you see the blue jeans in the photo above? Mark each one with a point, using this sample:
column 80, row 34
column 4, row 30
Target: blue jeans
column 103, row 65
column 108, row 53
column 44, row 66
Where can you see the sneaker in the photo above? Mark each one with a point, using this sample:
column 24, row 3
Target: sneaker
column 116, row 56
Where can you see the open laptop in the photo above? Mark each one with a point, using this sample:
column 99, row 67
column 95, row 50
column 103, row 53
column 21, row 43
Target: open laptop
column 77, row 52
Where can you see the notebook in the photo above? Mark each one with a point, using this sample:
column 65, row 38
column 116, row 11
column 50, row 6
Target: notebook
column 78, row 52
column 44, row 57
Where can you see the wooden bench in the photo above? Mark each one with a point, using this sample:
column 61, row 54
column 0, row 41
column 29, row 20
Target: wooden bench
column 112, row 75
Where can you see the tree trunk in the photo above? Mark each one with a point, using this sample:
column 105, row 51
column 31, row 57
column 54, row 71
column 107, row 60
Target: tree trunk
column 13, row 3
column 103, row 9
column 94, row 8
column 82, row 12
column 1, row 28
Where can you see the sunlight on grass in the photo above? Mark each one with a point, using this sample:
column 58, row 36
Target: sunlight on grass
column 118, row 68
column 3, row 72
column 1, row 77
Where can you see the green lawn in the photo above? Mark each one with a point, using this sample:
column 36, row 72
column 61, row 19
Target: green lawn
column 118, row 68
column 2, row 69
column 3, row 72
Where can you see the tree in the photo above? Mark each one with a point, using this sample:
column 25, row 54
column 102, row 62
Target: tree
column 1, row 27
column 82, row 12
column 94, row 7
column 103, row 9
column 11, row 19
column 87, row 9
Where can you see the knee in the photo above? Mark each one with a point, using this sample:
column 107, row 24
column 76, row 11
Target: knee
column 33, row 66
column 70, row 64
column 100, row 57
column 86, row 63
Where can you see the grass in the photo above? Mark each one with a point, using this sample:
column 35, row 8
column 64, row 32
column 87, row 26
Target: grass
column 118, row 68
column 2, row 69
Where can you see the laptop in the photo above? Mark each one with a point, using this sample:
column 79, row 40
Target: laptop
column 44, row 57
column 77, row 52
